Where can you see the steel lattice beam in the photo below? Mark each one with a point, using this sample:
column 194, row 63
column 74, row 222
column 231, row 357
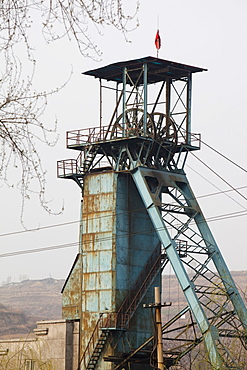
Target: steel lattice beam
column 199, row 297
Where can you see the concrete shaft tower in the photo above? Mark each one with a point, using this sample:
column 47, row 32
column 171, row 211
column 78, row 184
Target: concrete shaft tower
column 139, row 214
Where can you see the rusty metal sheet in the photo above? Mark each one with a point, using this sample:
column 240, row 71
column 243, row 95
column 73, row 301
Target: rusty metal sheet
column 71, row 292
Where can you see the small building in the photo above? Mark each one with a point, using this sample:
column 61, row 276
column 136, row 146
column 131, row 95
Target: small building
column 53, row 346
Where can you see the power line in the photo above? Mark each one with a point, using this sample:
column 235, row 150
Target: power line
column 28, row 251
column 228, row 159
column 40, row 228
column 76, row 244
column 198, row 197
column 225, row 157
column 226, row 216
column 220, row 191
column 119, row 214
column 220, row 177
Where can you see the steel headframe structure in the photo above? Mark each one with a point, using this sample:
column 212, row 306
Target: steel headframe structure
column 149, row 135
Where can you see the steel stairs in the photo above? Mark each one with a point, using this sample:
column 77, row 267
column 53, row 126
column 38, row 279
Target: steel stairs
column 76, row 169
column 89, row 156
column 98, row 350
column 95, row 345
column 156, row 262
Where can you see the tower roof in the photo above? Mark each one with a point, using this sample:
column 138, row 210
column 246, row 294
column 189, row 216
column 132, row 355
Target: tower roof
column 158, row 70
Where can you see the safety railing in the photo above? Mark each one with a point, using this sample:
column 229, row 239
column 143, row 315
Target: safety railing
column 67, row 167
column 94, row 135
column 135, row 295
column 99, row 335
column 91, row 344
column 100, row 134
column 85, row 136
column 113, row 320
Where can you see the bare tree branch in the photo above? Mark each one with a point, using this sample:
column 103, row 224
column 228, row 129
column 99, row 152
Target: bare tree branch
column 21, row 106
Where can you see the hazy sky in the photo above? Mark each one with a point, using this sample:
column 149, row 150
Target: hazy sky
column 210, row 35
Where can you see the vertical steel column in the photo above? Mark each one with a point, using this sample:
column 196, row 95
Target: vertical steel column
column 145, row 93
column 168, row 104
column 116, row 109
column 188, row 118
column 124, row 101
column 100, row 108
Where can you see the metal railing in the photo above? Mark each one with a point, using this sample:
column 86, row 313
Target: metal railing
column 84, row 136
column 100, row 134
column 92, row 135
column 113, row 320
column 134, row 297
column 105, row 322
column 67, row 167
column 91, row 344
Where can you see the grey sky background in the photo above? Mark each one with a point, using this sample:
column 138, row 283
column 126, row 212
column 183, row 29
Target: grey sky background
column 210, row 35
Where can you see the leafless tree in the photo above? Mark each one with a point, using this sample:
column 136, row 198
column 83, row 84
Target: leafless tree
column 21, row 106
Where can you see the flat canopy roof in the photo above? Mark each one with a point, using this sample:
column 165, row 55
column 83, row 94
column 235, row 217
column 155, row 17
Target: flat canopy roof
column 158, row 70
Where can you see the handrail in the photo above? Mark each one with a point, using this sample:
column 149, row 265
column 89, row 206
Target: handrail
column 67, row 167
column 93, row 135
column 142, row 282
column 91, row 343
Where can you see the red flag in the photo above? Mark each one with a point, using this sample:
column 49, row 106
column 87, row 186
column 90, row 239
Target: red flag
column 157, row 40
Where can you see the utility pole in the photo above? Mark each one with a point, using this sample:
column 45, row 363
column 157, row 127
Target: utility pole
column 157, row 305
column 158, row 327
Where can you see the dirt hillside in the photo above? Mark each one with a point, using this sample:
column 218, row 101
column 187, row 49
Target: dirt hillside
column 24, row 303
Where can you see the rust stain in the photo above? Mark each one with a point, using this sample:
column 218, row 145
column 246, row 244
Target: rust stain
column 71, row 298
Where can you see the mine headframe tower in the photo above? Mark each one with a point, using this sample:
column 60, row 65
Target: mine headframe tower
column 145, row 144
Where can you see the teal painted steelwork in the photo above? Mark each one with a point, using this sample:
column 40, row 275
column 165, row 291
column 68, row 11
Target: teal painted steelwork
column 218, row 354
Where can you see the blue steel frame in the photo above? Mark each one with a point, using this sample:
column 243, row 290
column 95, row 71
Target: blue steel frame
column 191, row 209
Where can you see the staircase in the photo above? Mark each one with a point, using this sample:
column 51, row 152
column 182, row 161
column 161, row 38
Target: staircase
column 76, row 169
column 155, row 263
column 95, row 346
column 89, row 155
column 98, row 349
